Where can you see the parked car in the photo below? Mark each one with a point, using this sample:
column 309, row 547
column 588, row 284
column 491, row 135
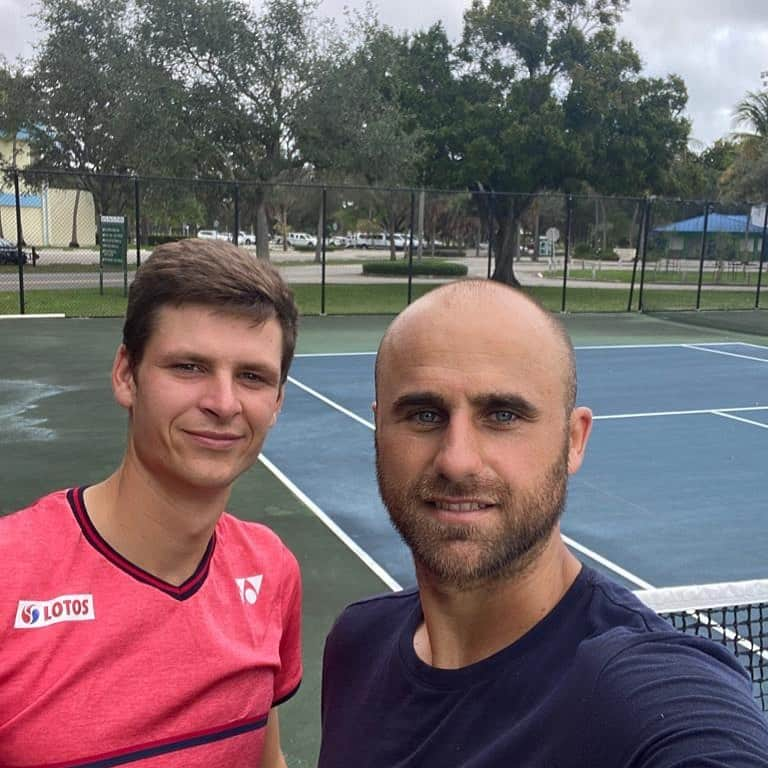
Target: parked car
column 378, row 240
column 339, row 241
column 301, row 239
column 213, row 234
column 9, row 253
column 243, row 238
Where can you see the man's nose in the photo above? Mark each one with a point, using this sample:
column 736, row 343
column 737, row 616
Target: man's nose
column 460, row 452
column 220, row 397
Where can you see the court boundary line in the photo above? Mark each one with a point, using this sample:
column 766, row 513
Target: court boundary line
column 332, row 526
column 679, row 344
column 739, row 418
column 692, row 412
column 721, row 352
column 331, row 403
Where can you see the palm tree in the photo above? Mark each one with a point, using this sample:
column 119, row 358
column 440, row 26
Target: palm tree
column 752, row 111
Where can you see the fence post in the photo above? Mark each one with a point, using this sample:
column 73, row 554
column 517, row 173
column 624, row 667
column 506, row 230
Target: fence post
column 646, row 229
column 137, row 215
column 703, row 253
column 490, row 236
column 638, row 247
column 566, row 260
column 762, row 258
column 19, row 241
column 324, row 201
column 410, row 247
column 236, row 233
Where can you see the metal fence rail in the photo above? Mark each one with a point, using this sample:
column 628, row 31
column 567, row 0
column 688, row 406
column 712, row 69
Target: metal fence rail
column 577, row 253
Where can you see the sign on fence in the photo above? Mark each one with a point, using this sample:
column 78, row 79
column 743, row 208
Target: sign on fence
column 113, row 247
column 114, row 240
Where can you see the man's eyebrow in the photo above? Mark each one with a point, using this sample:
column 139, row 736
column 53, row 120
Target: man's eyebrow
column 190, row 356
column 420, row 399
column 492, row 401
column 506, row 401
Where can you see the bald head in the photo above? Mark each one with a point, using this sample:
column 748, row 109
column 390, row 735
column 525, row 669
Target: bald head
column 497, row 310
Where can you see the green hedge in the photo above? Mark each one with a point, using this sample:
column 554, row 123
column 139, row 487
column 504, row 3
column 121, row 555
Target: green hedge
column 160, row 239
column 311, row 248
column 420, row 267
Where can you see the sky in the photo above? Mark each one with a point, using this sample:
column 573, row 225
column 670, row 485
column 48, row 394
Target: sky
column 718, row 48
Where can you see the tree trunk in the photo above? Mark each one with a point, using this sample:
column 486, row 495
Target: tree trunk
column 508, row 246
column 262, row 229
column 73, row 242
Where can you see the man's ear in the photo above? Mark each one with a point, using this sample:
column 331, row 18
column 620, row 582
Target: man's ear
column 123, row 380
column 579, row 428
column 278, row 406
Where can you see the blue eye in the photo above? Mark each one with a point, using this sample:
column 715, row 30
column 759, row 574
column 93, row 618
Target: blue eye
column 427, row 417
column 504, row 417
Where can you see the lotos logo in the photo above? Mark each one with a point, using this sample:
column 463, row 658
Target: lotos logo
column 32, row 614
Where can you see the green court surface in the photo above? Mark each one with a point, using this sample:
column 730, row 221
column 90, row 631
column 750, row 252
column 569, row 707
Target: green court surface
column 60, row 427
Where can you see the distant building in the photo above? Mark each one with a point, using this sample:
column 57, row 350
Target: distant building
column 47, row 213
column 729, row 236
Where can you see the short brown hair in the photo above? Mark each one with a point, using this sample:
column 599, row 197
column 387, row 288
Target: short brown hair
column 212, row 273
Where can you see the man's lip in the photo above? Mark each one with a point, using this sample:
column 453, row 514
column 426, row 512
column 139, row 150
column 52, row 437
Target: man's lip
column 460, row 505
column 223, row 437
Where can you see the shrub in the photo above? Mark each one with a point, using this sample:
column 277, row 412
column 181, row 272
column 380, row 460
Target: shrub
column 311, row 248
column 424, row 267
column 583, row 251
column 160, row 239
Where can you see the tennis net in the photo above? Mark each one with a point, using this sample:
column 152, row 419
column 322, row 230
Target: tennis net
column 734, row 614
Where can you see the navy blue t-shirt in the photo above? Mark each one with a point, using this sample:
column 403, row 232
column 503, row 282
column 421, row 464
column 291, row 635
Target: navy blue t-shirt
column 600, row 682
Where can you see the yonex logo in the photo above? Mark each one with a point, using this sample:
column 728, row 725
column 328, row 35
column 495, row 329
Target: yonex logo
column 32, row 614
column 249, row 588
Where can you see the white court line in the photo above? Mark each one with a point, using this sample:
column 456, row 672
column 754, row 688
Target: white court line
column 739, row 418
column 615, row 567
column 652, row 346
column 331, row 403
column 750, row 344
column 576, row 346
column 333, row 527
column 53, row 315
column 720, row 352
column 680, row 413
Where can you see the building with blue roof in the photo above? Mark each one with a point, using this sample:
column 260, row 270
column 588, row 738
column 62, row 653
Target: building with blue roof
column 730, row 237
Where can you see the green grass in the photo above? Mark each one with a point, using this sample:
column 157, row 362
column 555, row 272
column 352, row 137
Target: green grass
column 668, row 276
column 62, row 268
column 389, row 298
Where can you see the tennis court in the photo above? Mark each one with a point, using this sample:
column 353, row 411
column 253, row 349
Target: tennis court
column 670, row 493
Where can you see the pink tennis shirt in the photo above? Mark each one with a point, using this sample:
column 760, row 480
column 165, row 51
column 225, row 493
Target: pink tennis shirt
column 102, row 664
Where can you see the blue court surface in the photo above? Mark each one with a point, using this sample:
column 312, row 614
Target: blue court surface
column 672, row 491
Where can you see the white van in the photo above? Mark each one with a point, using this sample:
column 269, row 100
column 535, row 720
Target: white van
column 378, row 240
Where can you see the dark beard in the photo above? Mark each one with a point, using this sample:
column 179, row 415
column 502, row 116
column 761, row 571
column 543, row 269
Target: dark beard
column 464, row 556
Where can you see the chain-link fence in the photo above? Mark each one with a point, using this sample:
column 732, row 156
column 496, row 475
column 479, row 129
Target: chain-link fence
column 72, row 242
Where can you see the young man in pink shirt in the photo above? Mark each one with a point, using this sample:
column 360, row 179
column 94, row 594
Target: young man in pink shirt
column 140, row 623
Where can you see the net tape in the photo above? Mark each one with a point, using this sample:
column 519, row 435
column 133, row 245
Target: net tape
column 733, row 614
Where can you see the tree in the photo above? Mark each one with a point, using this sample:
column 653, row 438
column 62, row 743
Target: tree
column 246, row 74
column 102, row 106
column 747, row 175
column 552, row 101
column 352, row 126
